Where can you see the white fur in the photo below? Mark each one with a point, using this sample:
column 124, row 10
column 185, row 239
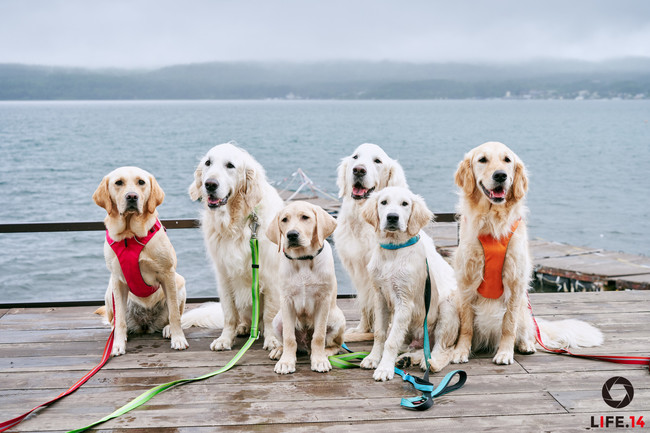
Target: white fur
column 504, row 323
column 208, row 315
column 242, row 180
column 354, row 237
column 400, row 275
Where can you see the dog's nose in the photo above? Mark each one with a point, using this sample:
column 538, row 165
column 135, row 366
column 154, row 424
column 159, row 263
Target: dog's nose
column 359, row 170
column 131, row 197
column 500, row 176
column 211, row 185
column 392, row 218
column 293, row 235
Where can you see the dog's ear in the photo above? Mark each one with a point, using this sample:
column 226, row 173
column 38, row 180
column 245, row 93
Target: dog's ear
column 325, row 226
column 420, row 216
column 520, row 181
column 273, row 232
column 465, row 176
column 156, row 196
column 102, row 197
column 341, row 179
column 396, row 176
column 195, row 188
column 369, row 212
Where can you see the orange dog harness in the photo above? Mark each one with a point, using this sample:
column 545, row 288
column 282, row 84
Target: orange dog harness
column 494, row 251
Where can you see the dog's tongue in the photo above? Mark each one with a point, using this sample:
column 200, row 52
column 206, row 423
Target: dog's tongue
column 215, row 200
column 359, row 191
column 498, row 193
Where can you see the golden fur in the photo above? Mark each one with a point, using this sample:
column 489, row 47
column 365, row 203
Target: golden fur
column 157, row 260
column 494, row 182
column 309, row 317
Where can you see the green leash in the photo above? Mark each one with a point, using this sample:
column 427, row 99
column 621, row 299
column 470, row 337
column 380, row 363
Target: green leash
column 148, row 395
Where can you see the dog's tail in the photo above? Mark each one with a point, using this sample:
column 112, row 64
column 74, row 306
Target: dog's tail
column 208, row 315
column 569, row 333
column 101, row 311
column 351, row 337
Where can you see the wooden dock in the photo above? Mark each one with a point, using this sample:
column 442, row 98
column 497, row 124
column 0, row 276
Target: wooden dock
column 45, row 350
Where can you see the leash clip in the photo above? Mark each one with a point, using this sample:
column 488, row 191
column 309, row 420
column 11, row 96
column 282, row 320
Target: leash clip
column 253, row 224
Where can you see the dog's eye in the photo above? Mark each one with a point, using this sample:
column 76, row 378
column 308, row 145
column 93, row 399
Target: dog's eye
column 506, row 159
column 207, row 163
column 355, row 157
column 119, row 183
column 229, row 165
column 384, row 202
column 305, row 217
column 285, row 219
column 141, row 182
column 377, row 161
column 483, row 160
column 405, row 203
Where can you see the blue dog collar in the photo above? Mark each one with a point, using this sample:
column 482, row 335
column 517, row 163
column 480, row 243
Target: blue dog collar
column 408, row 243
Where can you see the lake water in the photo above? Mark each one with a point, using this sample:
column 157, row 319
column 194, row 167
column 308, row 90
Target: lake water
column 588, row 163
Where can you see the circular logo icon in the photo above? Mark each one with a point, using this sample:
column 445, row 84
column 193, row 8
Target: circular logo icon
column 629, row 392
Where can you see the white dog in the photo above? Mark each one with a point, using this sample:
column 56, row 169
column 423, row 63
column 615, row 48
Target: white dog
column 367, row 170
column 232, row 186
column 493, row 305
column 309, row 317
column 398, row 265
column 141, row 260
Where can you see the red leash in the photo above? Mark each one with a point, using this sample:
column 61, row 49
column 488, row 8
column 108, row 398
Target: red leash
column 636, row 360
column 105, row 357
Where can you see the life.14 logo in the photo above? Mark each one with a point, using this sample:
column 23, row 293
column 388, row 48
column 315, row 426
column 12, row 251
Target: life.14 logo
column 618, row 421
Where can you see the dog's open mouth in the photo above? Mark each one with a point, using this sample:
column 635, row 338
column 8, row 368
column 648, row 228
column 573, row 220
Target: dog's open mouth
column 361, row 193
column 496, row 195
column 215, row 202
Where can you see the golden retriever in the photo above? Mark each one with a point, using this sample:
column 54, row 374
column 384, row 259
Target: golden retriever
column 232, row 185
column 494, row 313
column 368, row 170
column 309, row 317
column 130, row 196
column 397, row 216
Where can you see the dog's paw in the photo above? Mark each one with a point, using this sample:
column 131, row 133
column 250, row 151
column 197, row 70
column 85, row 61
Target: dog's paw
column 179, row 343
column 119, row 348
column 526, row 347
column 505, row 357
column 271, row 343
column 384, row 373
column 167, row 332
column 285, row 366
column 460, row 356
column 276, row 353
column 404, row 361
column 369, row 362
column 243, row 330
column 221, row 344
column 320, row 364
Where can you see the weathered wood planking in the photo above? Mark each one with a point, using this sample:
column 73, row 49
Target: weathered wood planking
column 44, row 350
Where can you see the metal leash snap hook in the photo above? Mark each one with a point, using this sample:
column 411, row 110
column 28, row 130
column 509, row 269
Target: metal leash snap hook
column 254, row 224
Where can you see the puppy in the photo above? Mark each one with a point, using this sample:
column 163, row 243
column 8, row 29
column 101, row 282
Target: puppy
column 232, row 186
column 398, row 264
column 368, row 170
column 130, row 196
column 309, row 316
column 493, row 290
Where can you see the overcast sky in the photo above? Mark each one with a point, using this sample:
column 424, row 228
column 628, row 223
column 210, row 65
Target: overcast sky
column 150, row 33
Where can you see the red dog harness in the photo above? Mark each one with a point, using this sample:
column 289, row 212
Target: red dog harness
column 128, row 254
column 494, row 251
